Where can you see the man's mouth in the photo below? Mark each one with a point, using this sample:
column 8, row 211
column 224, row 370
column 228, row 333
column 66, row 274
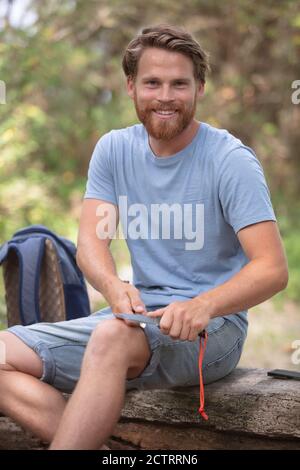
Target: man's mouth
column 165, row 114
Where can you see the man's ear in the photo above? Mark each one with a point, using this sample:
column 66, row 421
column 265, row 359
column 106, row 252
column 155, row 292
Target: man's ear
column 130, row 87
column 200, row 89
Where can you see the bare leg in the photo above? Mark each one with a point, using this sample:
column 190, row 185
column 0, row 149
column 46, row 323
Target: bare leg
column 35, row 405
column 94, row 408
column 93, row 411
column 38, row 406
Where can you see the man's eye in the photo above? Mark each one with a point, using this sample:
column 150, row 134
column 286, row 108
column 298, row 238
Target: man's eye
column 180, row 84
column 152, row 82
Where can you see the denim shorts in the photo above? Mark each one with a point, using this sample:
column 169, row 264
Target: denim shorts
column 173, row 363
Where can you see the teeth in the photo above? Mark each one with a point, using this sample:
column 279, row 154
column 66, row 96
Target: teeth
column 165, row 112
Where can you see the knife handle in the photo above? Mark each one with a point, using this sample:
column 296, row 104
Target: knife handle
column 202, row 334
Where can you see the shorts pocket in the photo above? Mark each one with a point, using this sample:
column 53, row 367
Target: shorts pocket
column 223, row 352
column 222, row 366
column 215, row 324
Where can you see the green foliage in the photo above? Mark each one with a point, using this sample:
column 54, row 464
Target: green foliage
column 292, row 246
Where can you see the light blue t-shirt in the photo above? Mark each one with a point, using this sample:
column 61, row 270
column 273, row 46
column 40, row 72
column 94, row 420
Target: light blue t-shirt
column 180, row 214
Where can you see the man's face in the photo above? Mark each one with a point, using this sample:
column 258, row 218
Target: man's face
column 165, row 92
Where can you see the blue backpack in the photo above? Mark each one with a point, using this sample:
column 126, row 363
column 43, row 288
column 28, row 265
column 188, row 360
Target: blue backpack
column 42, row 280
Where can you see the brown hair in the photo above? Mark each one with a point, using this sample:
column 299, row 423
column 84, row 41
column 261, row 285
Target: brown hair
column 167, row 37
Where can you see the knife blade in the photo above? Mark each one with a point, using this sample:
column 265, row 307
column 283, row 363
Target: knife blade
column 137, row 317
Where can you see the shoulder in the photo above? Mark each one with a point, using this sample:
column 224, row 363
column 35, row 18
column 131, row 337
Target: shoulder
column 225, row 149
column 120, row 137
column 221, row 142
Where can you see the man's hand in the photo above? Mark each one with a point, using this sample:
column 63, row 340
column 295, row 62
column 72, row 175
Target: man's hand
column 184, row 320
column 125, row 298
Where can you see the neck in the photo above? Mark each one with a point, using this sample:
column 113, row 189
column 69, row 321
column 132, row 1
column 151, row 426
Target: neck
column 165, row 148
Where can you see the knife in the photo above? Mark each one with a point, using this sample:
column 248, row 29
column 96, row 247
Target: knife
column 143, row 319
column 137, row 317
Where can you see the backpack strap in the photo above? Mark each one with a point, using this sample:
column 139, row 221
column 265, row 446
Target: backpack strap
column 3, row 251
column 30, row 253
column 30, row 269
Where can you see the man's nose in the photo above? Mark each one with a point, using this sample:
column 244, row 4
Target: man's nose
column 165, row 94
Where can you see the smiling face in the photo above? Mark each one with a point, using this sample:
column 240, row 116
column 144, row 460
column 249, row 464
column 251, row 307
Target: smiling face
column 165, row 92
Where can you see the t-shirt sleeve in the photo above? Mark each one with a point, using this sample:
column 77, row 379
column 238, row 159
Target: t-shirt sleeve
column 100, row 182
column 243, row 191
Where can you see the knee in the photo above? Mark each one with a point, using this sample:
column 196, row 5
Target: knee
column 110, row 335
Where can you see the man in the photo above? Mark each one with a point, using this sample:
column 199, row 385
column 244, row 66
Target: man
column 204, row 244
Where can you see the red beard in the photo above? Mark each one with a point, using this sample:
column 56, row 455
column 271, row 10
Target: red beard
column 165, row 129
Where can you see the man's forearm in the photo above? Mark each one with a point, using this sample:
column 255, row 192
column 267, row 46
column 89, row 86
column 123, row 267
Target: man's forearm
column 98, row 267
column 255, row 283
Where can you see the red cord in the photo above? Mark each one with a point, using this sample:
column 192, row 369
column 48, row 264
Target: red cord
column 203, row 335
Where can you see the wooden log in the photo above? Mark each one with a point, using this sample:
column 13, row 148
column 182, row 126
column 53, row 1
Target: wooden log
column 246, row 401
column 247, row 409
